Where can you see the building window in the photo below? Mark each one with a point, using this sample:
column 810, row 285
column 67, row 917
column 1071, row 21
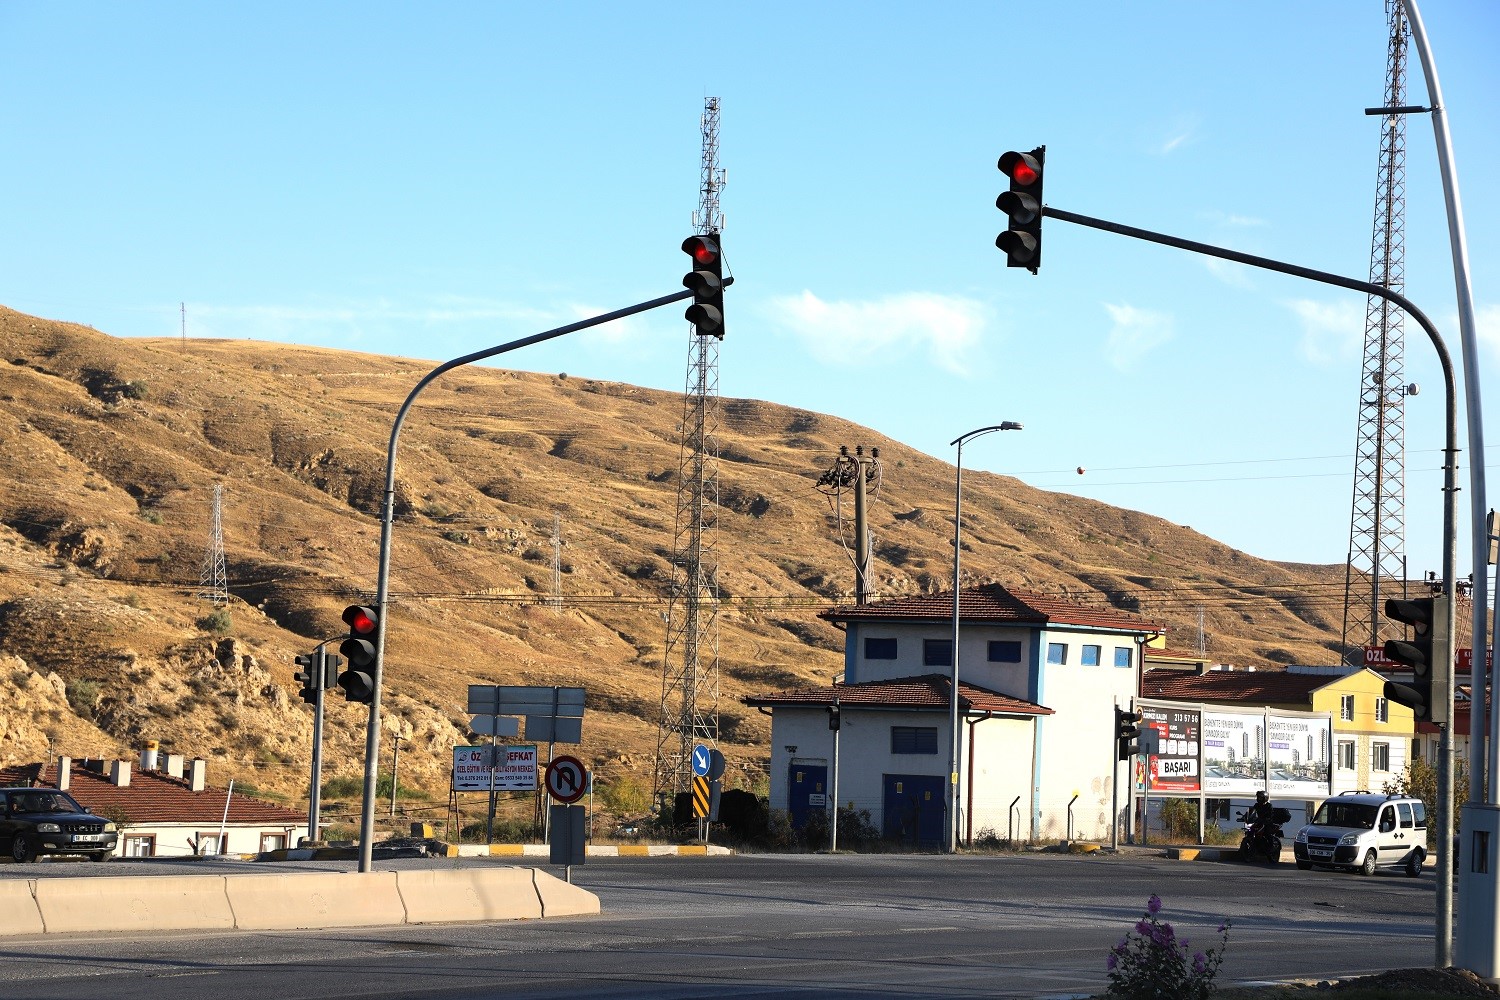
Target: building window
column 1380, row 756
column 880, row 649
column 1122, row 656
column 1346, row 755
column 914, row 739
column 272, row 841
column 206, row 843
column 937, row 652
column 139, row 846
column 1057, row 652
column 1090, row 657
column 1346, row 708
column 1005, row 651
column 1382, row 710
column 1416, row 748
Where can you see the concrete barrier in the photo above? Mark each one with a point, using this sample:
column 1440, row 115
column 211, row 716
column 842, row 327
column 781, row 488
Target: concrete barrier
column 313, row 900
column 127, row 903
column 562, row 899
column 18, row 911
column 434, row 897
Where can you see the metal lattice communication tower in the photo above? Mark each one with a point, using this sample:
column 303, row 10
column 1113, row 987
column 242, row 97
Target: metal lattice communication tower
column 690, row 661
column 213, row 582
column 1377, row 524
column 557, row 601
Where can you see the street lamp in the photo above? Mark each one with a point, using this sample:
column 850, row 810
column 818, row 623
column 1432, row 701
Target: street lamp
column 958, row 484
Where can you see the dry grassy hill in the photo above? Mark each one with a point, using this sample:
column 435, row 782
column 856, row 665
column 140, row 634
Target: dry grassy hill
column 112, row 449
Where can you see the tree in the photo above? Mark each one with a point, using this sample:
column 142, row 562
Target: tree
column 1419, row 781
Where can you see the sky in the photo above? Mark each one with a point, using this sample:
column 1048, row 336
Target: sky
column 430, row 180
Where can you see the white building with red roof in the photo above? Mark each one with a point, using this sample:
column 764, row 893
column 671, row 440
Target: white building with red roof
column 169, row 811
column 1038, row 681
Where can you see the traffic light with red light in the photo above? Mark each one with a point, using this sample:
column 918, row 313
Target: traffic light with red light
column 1127, row 733
column 1425, row 655
column 1022, row 204
column 359, row 650
column 706, row 281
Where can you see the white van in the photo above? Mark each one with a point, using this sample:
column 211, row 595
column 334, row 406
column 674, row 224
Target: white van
column 1361, row 832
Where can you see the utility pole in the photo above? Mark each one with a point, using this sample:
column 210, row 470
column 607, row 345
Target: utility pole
column 857, row 471
column 213, row 583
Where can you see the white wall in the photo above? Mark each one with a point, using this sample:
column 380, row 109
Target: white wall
column 1002, row 768
column 172, row 839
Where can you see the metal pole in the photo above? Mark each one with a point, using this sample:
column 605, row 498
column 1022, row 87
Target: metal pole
column 1444, row 805
column 833, row 826
column 1114, row 785
column 315, row 786
column 395, row 772
column 387, row 515
column 953, row 748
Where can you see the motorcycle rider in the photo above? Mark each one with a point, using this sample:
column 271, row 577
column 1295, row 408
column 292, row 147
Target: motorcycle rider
column 1260, row 813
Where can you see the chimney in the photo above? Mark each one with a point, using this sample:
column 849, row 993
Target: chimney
column 197, row 777
column 148, row 756
column 174, row 765
column 64, row 773
column 119, row 773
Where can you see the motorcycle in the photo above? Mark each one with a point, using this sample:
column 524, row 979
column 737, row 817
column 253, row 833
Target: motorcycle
column 1263, row 839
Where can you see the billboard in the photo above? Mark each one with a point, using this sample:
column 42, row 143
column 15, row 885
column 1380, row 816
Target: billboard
column 1238, row 752
column 1174, row 766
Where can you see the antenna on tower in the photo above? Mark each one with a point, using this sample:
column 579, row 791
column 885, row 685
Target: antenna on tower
column 213, row 583
column 1377, row 522
column 690, row 659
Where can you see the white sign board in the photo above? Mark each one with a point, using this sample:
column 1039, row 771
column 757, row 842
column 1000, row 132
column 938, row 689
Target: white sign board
column 496, row 725
column 515, row 769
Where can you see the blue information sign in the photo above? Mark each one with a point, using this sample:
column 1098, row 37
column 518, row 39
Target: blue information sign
column 700, row 760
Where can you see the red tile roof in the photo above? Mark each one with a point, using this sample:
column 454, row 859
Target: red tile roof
column 1267, row 687
column 928, row 691
column 995, row 603
column 154, row 797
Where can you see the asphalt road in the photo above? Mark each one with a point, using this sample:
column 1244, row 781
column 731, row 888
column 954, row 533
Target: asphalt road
column 753, row 926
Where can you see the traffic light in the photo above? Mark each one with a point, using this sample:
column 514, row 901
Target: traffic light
column 1427, row 617
column 308, row 674
column 1022, row 241
column 358, row 681
column 833, row 717
column 1127, row 733
column 706, row 280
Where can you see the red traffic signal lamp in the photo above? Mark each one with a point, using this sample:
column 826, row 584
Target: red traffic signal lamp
column 706, row 281
column 1022, row 204
column 359, row 650
column 1425, row 655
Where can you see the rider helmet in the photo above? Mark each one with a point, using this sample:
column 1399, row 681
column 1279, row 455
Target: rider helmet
column 1260, row 797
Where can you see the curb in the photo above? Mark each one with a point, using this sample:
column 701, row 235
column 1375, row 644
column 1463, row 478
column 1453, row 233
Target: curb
column 593, row 851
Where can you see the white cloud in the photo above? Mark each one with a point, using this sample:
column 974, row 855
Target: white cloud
column 1229, row 272
column 947, row 326
column 1135, row 333
column 1331, row 332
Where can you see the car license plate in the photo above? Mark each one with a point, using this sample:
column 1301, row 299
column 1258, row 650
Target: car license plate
column 1319, row 854
column 87, row 838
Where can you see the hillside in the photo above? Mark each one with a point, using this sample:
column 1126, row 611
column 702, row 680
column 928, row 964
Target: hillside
column 112, row 449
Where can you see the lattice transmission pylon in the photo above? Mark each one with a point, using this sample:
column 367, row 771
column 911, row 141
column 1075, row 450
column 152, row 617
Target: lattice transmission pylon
column 1377, row 525
column 690, row 660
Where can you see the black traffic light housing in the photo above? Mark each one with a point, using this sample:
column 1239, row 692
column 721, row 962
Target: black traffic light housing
column 309, row 676
column 1022, row 204
column 1429, row 655
column 833, row 718
column 1127, row 733
column 706, row 280
column 358, row 649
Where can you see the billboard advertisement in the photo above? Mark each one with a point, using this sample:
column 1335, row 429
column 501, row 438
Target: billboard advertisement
column 1234, row 754
column 1298, row 759
column 1174, row 765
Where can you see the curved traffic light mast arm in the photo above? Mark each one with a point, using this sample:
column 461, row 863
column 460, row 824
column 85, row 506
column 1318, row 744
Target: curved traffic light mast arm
column 382, row 587
column 1444, row 916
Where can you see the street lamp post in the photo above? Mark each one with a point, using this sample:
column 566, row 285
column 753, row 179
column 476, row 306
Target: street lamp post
column 953, row 761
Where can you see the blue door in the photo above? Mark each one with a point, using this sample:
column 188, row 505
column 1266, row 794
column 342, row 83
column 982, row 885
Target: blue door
column 806, row 793
column 914, row 808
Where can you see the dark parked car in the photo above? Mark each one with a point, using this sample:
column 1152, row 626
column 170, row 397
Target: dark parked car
column 37, row 821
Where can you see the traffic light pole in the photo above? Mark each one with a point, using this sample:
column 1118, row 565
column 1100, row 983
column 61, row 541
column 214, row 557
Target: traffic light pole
column 382, row 592
column 1444, row 711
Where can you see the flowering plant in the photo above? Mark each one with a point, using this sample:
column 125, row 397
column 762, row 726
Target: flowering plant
column 1152, row 963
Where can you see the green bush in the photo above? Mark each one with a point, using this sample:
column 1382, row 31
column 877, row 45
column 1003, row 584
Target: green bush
column 83, row 696
column 217, row 622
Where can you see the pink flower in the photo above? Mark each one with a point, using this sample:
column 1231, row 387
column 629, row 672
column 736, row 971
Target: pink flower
column 1153, row 905
column 1112, row 961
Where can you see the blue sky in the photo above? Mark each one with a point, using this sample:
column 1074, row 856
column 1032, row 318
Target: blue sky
column 428, row 180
